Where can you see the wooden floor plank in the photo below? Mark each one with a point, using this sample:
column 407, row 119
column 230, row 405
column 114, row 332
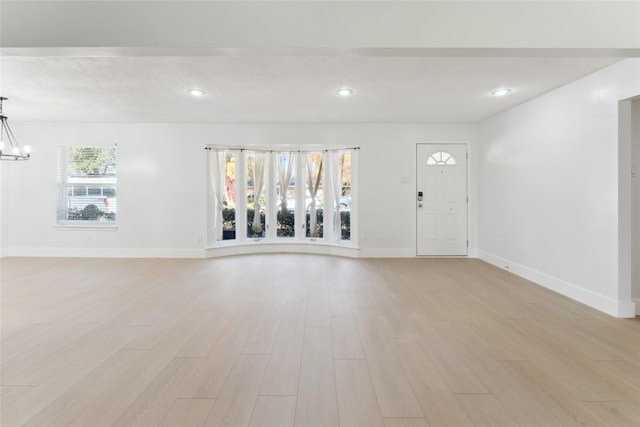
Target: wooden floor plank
column 617, row 414
column 393, row 391
column 557, row 357
column 558, row 399
column 210, row 332
column 317, row 404
column 357, row 403
column 521, row 400
column 212, row 374
column 123, row 391
column 237, row 399
column 28, row 405
column 155, row 401
column 345, row 338
column 405, row 422
column 456, row 364
column 283, row 371
column 485, row 410
column 74, row 401
column 188, row 413
column 10, row 393
column 318, row 310
column 622, row 375
column 439, row 404
column 274, row 411
column 28, row 367
column 265, row 330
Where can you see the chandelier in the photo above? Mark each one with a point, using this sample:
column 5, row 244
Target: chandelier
column 9, row 148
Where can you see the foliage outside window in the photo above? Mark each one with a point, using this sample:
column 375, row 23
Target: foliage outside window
column 256, row 200
column 315, row 190
column 229, row 197
column 344, row 202
column 287, row 195
column 87, row 185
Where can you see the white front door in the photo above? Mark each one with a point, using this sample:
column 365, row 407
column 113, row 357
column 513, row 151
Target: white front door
column 441, row 199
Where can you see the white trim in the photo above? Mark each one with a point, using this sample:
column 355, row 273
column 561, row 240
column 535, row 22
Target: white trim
column 80, row 227
column 306, row 148
column 625, row 185
column 293, row 247
column 570, row 290
column 105, row 253
column 388, row 253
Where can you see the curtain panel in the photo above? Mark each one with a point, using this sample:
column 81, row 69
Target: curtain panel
column 216, row 180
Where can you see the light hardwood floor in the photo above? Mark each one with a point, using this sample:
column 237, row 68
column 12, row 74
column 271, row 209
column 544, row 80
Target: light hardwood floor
column 303, row 340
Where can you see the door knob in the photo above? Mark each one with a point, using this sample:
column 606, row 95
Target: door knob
column 419, row 205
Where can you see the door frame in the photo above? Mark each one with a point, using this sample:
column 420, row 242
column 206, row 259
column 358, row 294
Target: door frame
column 628, row 209
column 415, row 192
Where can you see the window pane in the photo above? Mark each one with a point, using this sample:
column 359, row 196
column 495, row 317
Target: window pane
column 441, row 158
column 286, row 192
column 345, row 198
column 77, row 190
column 87, row 184
column 315, row 191
column 255, row 195
column 91, row 161
column 109, row 192
column 229, row 198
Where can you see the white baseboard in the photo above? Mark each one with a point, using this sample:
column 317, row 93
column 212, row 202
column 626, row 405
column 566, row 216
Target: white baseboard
column 387, row 253
column 106, row 253
column 225, row 250
column 298, row 248
column 592, row 299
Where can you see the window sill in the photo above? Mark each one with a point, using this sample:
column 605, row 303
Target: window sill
column 80, row 226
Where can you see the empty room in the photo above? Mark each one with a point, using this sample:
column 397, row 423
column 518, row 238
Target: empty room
column 319, row 213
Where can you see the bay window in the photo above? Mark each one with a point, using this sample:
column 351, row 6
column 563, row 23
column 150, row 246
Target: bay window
column 284, row 195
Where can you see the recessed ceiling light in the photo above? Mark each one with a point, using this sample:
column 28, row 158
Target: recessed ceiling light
column 345, row 91
column 500, row 92
column 196, row 92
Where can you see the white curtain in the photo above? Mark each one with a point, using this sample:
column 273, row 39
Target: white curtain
column 216, row 177
column 334, row 178
column 285, row 171
column 313, row 163
column 256, row 161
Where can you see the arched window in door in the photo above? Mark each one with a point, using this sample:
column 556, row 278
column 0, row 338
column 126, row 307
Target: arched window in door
column 441, row 158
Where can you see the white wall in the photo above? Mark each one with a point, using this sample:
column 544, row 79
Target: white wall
column 162, row 184
column 548, row 194
column 4, row 206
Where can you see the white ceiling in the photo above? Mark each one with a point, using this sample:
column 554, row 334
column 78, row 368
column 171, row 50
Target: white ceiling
column 277, row 88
